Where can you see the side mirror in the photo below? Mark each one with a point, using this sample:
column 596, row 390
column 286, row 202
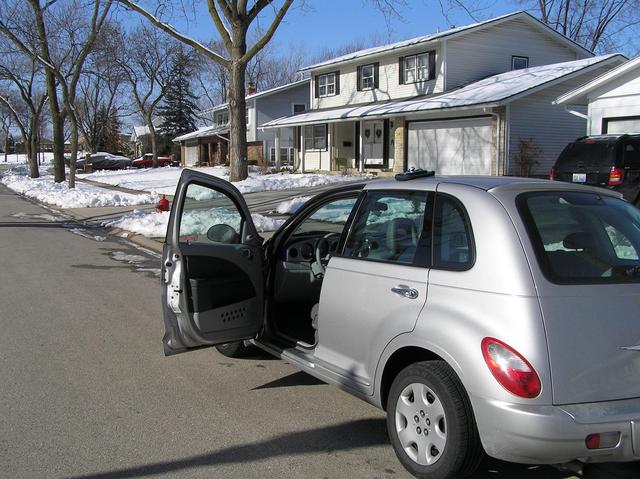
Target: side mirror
column 222, row 234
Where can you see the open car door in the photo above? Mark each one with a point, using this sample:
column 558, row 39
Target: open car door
column 212, row 267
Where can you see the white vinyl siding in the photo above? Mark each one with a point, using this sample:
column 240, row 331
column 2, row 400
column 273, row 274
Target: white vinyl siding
column 452, row 147
column 389, row 87
column 620, row 98
column 488, row 52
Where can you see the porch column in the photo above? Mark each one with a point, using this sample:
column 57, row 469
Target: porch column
column 277, row 148
column 399, row 151
column 360, row 152
column 302, row 150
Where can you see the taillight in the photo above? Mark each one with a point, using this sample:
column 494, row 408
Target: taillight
column 552, row 173
column 616, row 176
column 511, row 369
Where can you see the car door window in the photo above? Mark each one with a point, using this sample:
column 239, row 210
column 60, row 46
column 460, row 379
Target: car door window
column 632, row 156
column 452, row 236
column 388, row 227
column 209, row 216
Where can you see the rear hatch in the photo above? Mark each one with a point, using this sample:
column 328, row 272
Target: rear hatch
column 587, row 247
column 587, row 161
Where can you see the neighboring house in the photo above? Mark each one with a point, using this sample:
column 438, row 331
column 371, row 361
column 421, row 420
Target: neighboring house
column 140, row 139
column 612, row 99
column 458, row 101
column 210, row 145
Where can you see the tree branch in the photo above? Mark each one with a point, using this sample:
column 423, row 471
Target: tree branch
column 259, row 45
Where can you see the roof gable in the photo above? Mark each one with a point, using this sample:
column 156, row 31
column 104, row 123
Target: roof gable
column 451, row 33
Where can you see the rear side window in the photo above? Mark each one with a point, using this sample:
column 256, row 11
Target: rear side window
column 632, row 155
column 583, row 238
column 452, row 237
column 587, row 153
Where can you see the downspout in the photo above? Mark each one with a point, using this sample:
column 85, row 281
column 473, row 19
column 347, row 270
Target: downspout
column 444, row 65
column 498, row 125
column 568, row 109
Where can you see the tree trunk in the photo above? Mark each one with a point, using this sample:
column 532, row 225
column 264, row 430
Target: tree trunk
column 238, row 165
column 74, row 151
column 6, row 145
column 57, row 127
column 154, row 141
column 32, row 148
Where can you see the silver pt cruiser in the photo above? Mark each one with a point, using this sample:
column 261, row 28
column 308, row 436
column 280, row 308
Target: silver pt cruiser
column 484, row 314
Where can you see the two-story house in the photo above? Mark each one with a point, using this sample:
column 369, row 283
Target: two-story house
column 458, row 101
column 210, row 145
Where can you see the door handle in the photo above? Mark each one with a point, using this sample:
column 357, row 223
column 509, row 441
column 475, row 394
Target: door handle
column 405, row 291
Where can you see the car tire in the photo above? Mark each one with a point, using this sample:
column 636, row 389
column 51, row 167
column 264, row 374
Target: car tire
column 434, row 436
column 236, row 349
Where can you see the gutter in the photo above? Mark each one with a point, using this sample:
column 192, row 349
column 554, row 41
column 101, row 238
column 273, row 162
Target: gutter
column 568, row 109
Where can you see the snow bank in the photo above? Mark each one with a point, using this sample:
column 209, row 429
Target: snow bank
column 45, row 157
column 164, row 180
column 153, row 224
column 291, row 206
column 44, row 189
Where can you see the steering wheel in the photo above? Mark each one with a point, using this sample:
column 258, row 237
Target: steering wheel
column 322, row 255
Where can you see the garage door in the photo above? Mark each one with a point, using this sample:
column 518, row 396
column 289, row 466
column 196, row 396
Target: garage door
column 451, row 147
column 622, row 125
column 190, row 155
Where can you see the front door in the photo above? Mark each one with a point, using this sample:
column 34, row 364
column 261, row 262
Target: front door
column 373, row 144
column 212, row 267
column 375, row 288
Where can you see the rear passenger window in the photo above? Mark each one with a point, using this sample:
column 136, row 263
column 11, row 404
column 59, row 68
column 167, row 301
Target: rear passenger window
column 452, row 238
column 388, row 227
column 632, row 156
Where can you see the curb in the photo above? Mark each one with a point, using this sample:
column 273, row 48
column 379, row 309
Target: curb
column 143, row 241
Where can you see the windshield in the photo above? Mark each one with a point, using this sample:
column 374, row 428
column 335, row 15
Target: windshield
column 583, row 238
column 592, row 154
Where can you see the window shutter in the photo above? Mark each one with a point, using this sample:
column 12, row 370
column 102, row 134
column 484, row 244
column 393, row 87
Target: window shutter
column 317, row 87
column 376, row 68
column 359, row 78
column 337, row 82
column 401, row 71
column 432, row 65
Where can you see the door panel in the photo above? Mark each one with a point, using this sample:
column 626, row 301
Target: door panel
column 213, row 278
column 373, row 143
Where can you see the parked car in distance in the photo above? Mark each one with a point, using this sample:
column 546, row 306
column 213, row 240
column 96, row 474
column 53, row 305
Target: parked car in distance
column 611, row 161
column 146, row 161
column 105, row 161
column 486, row 315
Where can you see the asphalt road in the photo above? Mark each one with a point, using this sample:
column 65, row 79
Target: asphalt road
column 85, row 391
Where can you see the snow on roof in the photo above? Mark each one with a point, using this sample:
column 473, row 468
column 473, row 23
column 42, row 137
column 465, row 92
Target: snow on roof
column 436, row 36
column 260, row 94
column 579, row 94
column 491, row 91
column 211, row 130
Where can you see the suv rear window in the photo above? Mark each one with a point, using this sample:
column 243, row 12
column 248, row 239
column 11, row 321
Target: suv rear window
column 583, row 238
column 587, row 153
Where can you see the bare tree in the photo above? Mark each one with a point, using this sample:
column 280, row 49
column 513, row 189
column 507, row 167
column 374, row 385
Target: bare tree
column 6, row 122
column 63, row 55
column 233, row 20
column 24, row 99
column 146, row 64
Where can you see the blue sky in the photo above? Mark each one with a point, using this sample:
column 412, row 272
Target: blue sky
column 333, row 23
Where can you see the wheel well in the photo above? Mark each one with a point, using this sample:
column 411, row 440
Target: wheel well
column 397, row 362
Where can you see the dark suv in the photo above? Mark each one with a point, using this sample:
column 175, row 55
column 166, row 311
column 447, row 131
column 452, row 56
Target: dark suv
column 611, row 161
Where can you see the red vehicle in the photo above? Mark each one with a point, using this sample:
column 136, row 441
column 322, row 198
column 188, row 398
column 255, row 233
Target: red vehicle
column 146, row 161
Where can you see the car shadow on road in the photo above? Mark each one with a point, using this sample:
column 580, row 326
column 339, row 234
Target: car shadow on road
column 348, row 436
column 295, row 379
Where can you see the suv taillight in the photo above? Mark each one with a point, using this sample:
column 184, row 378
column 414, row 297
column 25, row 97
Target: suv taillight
column 616, row 176
column 511, row 369
column 552, row 173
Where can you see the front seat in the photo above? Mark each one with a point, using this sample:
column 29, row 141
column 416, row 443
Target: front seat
column 402, row 238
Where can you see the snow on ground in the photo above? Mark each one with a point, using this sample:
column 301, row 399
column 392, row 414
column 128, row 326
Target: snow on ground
column 153, row 224
column 164, row 180
column 45, row 157
column 44, row 189
column 291, row 206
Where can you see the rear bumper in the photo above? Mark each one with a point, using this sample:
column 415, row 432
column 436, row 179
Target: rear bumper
column 556, row 434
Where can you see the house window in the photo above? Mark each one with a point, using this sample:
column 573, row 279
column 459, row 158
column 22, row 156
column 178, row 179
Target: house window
column 222, row 118
column 299, row 108
column 416, row 68
column 518, row 63
column 315, row 137
column 286, row 155
column 367, row 77
column 327, row 84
